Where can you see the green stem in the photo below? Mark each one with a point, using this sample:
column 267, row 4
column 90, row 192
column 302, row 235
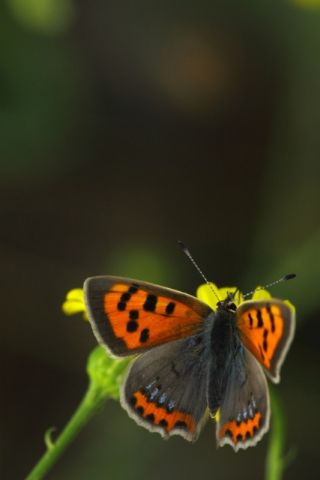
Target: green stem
column 275, row 464
column 274, row 455
column 91, row 402
column 105, row 374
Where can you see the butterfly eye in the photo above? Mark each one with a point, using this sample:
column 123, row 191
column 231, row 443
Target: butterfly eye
column 232, row 306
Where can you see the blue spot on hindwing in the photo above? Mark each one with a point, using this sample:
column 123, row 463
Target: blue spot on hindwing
column 153, row 394
column 162, row 399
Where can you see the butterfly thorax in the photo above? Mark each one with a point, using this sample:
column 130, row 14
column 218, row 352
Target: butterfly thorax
column 225, row 346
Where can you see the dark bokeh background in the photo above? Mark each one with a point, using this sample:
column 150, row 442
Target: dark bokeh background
column 125, row 126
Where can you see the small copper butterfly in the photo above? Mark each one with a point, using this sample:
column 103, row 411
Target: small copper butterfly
column 194, row 360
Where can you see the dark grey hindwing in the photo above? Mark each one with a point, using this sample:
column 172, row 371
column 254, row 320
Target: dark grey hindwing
column 166, row 388
column 244, row 411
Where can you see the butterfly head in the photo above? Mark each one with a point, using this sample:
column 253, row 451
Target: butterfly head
column 228, row 304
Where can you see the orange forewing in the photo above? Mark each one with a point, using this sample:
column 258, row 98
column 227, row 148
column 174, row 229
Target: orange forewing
column 266, row 330
column 153, row 326
column 130, row 316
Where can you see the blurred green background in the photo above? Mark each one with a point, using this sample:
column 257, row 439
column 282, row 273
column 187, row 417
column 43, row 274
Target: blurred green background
column 125, row 126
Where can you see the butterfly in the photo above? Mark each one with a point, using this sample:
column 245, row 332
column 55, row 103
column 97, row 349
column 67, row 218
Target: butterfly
column 192, row 361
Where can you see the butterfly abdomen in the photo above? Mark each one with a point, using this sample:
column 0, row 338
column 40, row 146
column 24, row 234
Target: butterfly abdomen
column 224, row 344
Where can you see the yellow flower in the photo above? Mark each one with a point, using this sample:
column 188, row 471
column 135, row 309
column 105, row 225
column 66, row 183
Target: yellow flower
column 74, row 303
column 206, row 291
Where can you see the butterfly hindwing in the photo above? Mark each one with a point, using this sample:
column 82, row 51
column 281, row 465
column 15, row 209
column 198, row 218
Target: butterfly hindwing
column 165, row 388
column 129, row 316
column 266, row 329
column 244, row 414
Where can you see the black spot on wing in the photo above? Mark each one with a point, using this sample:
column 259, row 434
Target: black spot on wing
column 170, row 308
column 132, row 326
column 150, row 418
column 150, row 303
column 121, row 306
column 134, row 288
column 125, row 297
column 134, row 314
column 163, row 423
column 180, row 424
column 144, row 335
column 273, row 325
column 140, row 410
column 259, row 317
column 265, row 343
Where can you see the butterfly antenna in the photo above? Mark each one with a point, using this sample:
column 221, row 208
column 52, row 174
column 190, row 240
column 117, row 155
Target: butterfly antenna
column 186, row 251
column 289, row 276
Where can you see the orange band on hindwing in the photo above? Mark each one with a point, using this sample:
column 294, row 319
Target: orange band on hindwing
column 243, row 430
column 142, row 319
column 163, row 417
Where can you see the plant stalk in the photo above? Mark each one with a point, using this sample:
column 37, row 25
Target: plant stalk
column 91, row 402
